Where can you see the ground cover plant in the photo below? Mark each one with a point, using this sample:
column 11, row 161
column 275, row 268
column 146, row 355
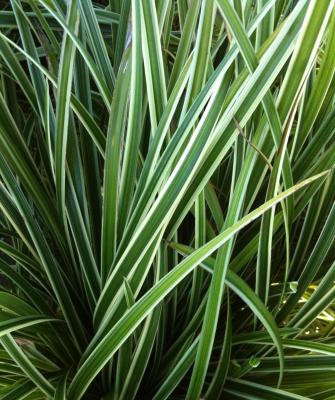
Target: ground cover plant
column 167, row 193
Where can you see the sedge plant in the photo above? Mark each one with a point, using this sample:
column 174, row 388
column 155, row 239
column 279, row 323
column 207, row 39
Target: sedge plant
column 167, row 188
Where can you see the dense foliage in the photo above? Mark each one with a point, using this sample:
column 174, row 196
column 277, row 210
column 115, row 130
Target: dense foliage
column 167, row 194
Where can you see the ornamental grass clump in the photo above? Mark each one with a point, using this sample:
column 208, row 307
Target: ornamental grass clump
column 167, row 188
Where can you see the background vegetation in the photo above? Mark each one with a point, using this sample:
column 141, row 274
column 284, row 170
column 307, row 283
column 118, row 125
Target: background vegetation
column 167, row 199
